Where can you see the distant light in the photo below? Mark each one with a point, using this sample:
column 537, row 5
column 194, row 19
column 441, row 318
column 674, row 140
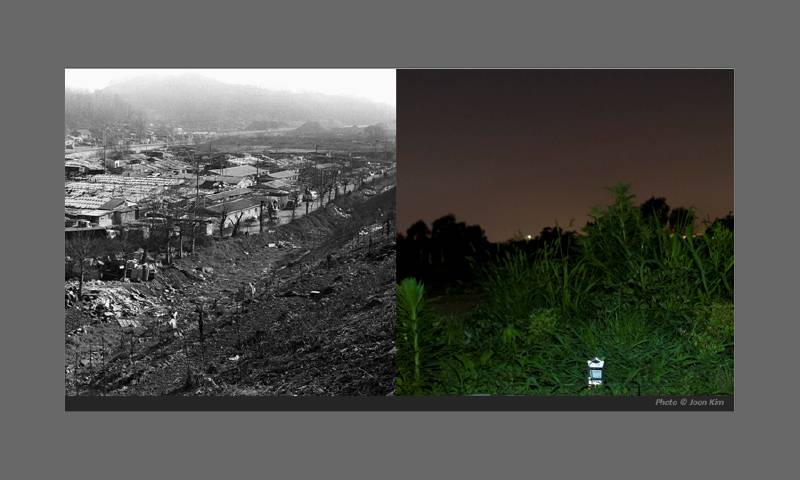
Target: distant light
column 528, row 236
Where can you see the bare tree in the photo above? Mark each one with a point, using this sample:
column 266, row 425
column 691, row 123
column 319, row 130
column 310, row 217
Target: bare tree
column 180, row 238
column 236, row 224
column 168, row 236
column 81, row 247
column 222, row 217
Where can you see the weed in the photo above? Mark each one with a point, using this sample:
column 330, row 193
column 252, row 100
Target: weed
column 655, row 303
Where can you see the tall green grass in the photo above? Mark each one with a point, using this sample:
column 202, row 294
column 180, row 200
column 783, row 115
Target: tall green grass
column 657, row 304
column 419, row 340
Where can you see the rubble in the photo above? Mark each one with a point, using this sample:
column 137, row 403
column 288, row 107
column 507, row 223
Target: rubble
column 281, row 244
column 371, row 229
column 320, row 321
column 106, row 300
column 339, row 213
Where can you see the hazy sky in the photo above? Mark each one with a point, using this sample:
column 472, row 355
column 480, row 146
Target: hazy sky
column 519, row 150
column 373, row 84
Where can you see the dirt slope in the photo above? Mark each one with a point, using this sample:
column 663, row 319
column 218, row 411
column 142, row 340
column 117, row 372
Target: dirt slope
column 321, row 321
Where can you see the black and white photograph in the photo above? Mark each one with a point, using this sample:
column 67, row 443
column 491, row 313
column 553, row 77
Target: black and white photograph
column 229, row 232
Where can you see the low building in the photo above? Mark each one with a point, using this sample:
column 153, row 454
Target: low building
column 227, row 195
column 278, row 184
column 246, row 160
column 237, row 210
column 82, row 166
column 327, row 166
column 123, row 212
column 220, row 181
column 280, row 197
column 86, row 232
column 100, row 218
column 238, row 171
column 285, row 175
column 83, row 134
column 141, row 226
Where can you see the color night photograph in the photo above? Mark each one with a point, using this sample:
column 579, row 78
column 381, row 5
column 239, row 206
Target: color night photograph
column 565, row 232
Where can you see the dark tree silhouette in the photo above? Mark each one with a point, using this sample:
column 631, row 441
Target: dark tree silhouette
column 419, row 236
column 445, row 232
column 562, row 241
column 476, row 240
column 440, row 254
column 418, row 232
column 681, row 219
column 656, row 208
column 726, row 221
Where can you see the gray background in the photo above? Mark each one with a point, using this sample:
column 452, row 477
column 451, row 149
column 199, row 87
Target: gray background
column 40, row 40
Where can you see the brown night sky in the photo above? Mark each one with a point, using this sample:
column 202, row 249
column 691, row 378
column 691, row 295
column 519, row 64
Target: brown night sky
column 519, row 150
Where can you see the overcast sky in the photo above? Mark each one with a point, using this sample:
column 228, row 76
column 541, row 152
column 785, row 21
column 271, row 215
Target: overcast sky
column 373, row 84
column 520, row 150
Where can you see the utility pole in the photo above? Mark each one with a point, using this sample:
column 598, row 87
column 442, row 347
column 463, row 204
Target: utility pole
column 261, row 217
column 316, row 179
column 104, row 149
column 224, row 218
column 196, row 198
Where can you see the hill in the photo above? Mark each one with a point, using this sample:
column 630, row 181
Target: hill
column 95, row 111
column 265, row 125
column 196, row 102
column 310, row 129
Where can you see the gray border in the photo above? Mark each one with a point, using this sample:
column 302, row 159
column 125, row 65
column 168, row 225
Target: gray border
column 756, row 40
column 715, row 403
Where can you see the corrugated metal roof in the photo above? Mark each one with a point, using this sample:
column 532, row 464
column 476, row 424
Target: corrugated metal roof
column 228, row 193
column 84, row 202
column 82, row 229
column 92, row 213
column 235, row 205
column 240, row 171
column 112, row 204
column 279, row 184
column 284, row 174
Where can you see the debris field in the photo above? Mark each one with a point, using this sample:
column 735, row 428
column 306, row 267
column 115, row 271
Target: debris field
column 306, row 308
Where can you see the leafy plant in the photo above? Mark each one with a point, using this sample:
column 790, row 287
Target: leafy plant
column 652, row 298
column 421, row 339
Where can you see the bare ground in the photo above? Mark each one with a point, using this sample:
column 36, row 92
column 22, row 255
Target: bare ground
column 321, row 321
